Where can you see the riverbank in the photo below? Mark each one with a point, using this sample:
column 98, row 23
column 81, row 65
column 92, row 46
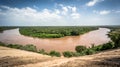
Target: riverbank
column 67, row 43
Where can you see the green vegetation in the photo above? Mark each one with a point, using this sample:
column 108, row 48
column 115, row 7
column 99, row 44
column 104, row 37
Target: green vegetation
column 67, row 54
column 6, row 28
column 17, row 46
column 89, row 52
column 54, row 32
column 54, row 53
column 115, row 37
column 80, row 48
column 32, row 48
column 71, row 54
column 29, row 48
column 42, row 51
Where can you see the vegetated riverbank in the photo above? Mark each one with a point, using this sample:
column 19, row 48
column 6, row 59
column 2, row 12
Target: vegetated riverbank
column 6, row 28
column 67, row 43
column 80, row 50
column 56, row 31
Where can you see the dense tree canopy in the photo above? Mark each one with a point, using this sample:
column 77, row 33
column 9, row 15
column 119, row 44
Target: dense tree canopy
column 54, row 32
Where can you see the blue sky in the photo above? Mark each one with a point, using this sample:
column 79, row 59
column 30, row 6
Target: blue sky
column 59, row 12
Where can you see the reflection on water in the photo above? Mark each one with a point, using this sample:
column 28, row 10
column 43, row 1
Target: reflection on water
column 96, row 37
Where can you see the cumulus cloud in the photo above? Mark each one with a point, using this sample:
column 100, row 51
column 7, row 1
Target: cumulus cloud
column 70, row 11
column 93, row 2
column 65, row 10
column 28, row 15
column 31, row 15
column 75, row 15
column 103, row 12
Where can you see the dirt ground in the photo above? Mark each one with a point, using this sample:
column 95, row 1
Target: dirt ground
column 18, row 58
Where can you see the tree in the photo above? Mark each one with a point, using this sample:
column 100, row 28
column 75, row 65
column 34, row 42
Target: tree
column 115, row 37
column 80, row 48
column 108, row 45
column 74, row 33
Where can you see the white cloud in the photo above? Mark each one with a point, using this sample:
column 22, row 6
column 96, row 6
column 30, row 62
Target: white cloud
column 29, row 15
column 118, row 11
column 57, row 11
column 93, row 2
column 75, row 15
column 32, row 16
column 103, row 12
column 70, row 11
column 74, row 9
column 65, row 10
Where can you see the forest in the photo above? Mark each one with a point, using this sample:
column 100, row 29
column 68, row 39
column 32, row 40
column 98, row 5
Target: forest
column 55, row 31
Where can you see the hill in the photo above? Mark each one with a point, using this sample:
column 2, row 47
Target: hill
column 14, row 57
column 20, row 58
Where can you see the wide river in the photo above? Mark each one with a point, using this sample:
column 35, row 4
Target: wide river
column 67, row 43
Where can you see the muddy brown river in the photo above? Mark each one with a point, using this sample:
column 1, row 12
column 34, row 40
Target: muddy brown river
column 67, row 43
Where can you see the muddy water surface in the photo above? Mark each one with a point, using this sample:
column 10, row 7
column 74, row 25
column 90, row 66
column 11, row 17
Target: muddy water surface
column 67, row 43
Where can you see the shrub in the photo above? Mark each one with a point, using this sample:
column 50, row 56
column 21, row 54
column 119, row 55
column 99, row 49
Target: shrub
column 80, row 48
column 67, row 54
column 42, row 51
column 29, row 48
column 89, row 51
column 2, row 44
column 97, row 48
column 76, row 54
column 106, row 46
column 115, row 37
column 15, row 46
column 54, row 53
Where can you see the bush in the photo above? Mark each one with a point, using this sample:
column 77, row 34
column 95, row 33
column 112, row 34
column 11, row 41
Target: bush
column 67, row 54
column 97, row 48
column 14, row 46
column 29, row 48
column 54, row 53
column 76, row 54
column 89, row 52
column 106, row 46
column 115, row 37
column 42, row 51
column 2, row 44
column 80, row 48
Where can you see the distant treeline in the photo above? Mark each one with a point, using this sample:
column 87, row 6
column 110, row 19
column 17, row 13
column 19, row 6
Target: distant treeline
column 55, row 32
column 6, row 28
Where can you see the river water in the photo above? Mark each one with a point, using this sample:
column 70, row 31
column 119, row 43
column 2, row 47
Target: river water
column 67, row 43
